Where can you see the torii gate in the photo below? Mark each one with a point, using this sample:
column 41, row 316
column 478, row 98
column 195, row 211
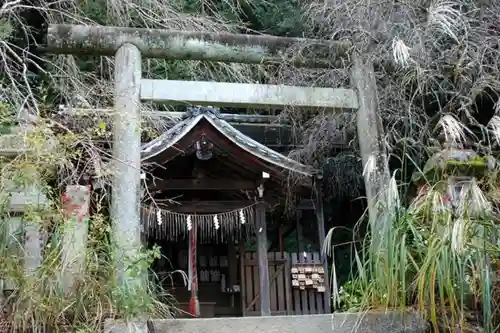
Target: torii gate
column 130, row 45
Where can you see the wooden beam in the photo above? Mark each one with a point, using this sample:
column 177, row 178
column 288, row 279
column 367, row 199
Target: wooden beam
column 261, row 229
column 246, row 95
column 202, row 184
column 184, row 45
column 176, row 115
column 249, row 124
column 207, row 206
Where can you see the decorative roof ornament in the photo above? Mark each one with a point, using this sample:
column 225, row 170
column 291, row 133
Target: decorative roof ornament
column 198, row 110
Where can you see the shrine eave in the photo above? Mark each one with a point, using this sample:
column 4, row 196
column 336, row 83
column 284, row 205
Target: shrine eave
column 170, row 140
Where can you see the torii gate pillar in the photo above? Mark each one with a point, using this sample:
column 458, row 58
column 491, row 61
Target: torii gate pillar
column 127, row 160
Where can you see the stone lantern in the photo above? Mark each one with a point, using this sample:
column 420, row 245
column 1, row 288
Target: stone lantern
column 453, row 172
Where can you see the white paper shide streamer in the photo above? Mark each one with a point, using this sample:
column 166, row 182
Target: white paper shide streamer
column 242, row 216
column 216, row 222
column 163, row 224
column 159, row 217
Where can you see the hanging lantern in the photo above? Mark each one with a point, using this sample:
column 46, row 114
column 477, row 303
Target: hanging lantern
column 159, row 217
column 204, row 149
column 216, row 222
column 189, row 223
column 242, row 217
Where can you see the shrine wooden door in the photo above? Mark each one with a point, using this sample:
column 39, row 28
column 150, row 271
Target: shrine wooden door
column 279, row 283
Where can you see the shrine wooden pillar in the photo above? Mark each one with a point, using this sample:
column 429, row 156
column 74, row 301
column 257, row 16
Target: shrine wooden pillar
column 243, row 282
column 261, row 228
column 299, row 231
column 320, row 218
column 194, row 303
column 233, row 267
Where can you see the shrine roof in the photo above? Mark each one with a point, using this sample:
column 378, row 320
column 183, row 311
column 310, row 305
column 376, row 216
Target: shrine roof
column 196, row 116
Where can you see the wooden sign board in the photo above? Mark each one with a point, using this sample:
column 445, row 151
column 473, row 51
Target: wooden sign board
column 308, row 276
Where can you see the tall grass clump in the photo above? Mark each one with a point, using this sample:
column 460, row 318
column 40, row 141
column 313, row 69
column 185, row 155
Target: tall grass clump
column 434, row 256
column 37, row 301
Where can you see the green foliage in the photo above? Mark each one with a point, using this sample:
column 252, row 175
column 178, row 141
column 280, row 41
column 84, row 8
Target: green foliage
column 94, row 10
column 37, row 299
column 279, row 18
column 434, row 255
column 6, row 113
column 350, row 297
column 5, row 29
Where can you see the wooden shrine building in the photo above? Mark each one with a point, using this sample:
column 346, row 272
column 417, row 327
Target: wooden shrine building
column 210, row 190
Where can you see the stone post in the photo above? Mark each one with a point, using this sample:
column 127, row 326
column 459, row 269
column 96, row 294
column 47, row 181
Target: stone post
column 22, row 198
column 13, row 233
column 76, row 203
column 32, row 247
column 127, row 160
column 23, row 235
column 372, row 147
